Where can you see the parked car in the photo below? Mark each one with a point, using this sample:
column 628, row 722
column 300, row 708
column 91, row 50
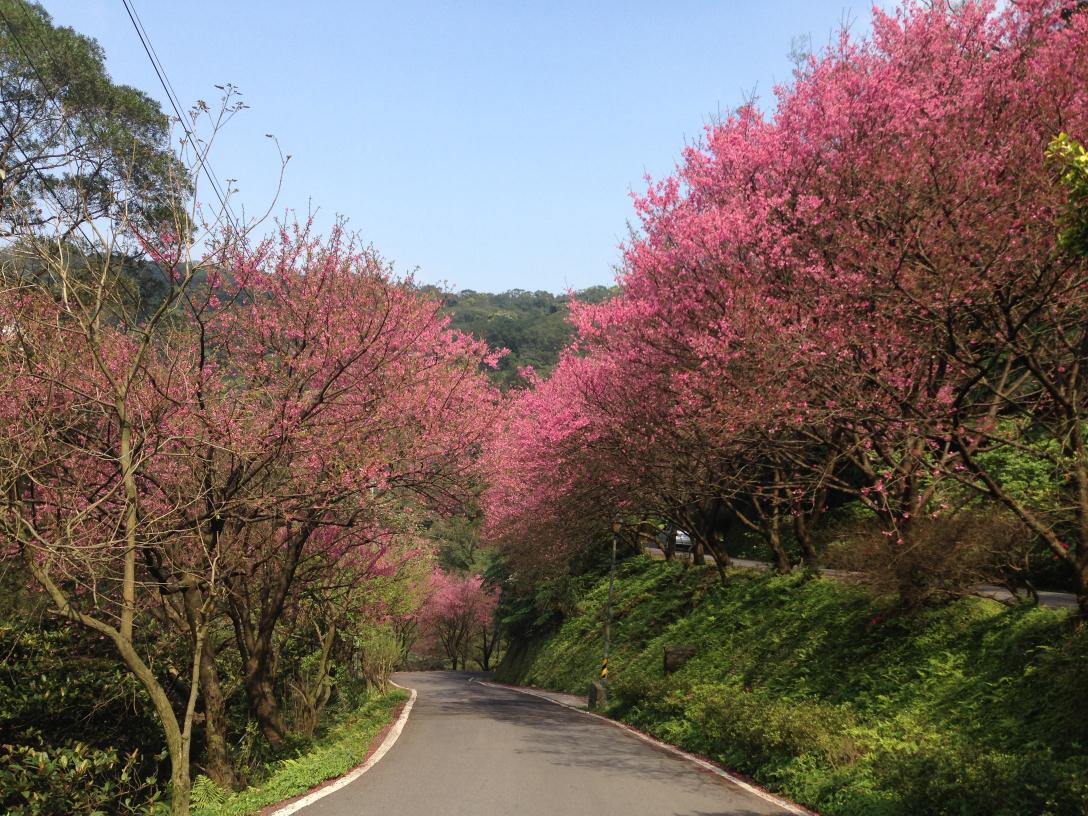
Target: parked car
column 682, row 540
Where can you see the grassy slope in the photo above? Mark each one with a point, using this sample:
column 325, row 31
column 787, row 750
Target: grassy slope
column 824, row 694
column 344, row 746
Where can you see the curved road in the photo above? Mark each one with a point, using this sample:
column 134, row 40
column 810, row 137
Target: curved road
column 486, row 751
column 1047, row 597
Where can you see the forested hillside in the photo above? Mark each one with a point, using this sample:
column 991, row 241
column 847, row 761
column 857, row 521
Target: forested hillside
column 532, row 325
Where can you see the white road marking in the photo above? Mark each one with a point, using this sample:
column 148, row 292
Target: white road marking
column 351, row 776
column 672, row 749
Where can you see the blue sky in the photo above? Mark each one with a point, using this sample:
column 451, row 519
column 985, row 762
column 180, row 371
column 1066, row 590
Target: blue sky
column 490, row 145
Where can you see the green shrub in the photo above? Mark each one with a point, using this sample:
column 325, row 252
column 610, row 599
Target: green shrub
column 759, row 730
column 928, row 772
column 73, row 778
column 379, row 653
column 343, row 746
column 77, row 733
column 833, row 697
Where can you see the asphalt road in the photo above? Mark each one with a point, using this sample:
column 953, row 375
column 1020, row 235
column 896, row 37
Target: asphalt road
column 1056, row 600
column 485, row 751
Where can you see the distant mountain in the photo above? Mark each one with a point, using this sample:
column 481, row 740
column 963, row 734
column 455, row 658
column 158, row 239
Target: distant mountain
column 532, row 325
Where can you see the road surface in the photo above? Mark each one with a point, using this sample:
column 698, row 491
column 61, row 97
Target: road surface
column 485, row 751
column 1055, row 600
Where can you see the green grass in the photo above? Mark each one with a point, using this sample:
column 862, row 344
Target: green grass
column 829, row 696
column 339, row 750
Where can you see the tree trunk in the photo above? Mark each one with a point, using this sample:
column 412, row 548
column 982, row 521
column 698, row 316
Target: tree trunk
column 716, row 545
column 705, row 539
column 265, row 707
column 181, row 789
column 178, row 734
column 697, row 556
column 804, row 540
column 316, row 693
column 219, row 766
column 178, row 739
column 1081, row 588
column 255, row 642
column 669, row 545
column 774, row 538
column 486, row 645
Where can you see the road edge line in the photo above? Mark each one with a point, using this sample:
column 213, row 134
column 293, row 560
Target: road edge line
column 672, row 749
column 345, row 780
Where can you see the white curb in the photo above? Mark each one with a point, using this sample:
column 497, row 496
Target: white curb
column 351, row 776
column 672, row 749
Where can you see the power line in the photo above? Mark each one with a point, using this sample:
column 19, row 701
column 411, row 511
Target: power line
column 168, row 88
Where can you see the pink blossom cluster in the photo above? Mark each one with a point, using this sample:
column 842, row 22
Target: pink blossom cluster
column 305, row 410
column 848, row 296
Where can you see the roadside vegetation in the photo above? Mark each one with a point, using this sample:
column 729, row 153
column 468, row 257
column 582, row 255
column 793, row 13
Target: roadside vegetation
column 831, row 696
column 344, row 744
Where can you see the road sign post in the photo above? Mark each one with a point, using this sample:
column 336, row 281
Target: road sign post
column 608, row 611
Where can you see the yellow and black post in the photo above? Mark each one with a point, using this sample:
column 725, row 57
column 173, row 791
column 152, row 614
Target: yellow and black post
column 608, row 611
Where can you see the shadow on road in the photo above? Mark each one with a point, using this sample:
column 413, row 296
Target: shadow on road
column 569, row 739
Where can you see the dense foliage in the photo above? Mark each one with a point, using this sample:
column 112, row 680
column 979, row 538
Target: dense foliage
column 832, row 698
column 69, row 134
column 76, row 734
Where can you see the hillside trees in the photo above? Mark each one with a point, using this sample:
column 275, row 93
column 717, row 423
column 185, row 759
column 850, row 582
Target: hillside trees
column 531, row 326
column 860, row 296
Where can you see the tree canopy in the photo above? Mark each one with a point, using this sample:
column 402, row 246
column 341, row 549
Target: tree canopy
column 70, row 138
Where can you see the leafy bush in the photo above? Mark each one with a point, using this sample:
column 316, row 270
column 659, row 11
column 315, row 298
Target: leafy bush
column 59, row 684
column 943, row 558
column 76, row 732
column 379, row 653
column 73, row 778
column 759, row 729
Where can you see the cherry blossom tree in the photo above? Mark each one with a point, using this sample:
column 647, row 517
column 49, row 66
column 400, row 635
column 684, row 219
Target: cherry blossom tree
column 359, row 409
column 88, row 400
column 457, row 608
column 860, row 295
column 267, row 434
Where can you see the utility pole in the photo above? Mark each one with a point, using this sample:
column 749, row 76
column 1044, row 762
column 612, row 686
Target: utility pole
column 608, row 611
